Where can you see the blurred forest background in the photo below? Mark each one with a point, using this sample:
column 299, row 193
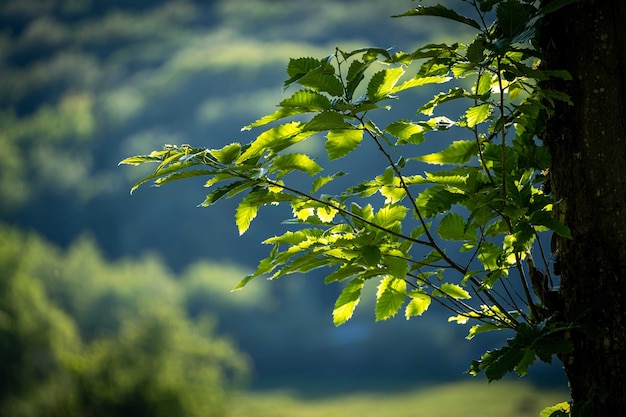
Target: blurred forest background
column 119, row 305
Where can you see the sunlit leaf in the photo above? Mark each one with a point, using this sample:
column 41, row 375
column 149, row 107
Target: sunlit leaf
column 452, row 290
column 389, row 297
column 277, row 115
column 390, row 215
column 347, row 301
column 297, row 161
column 327, row 120
column 418, row 81
column 418, row 304
column 227, row 154
column 275, row 139
column 406, row 131
column 478, row 114
column 383, row 83
column 309, row 100
column 459, row 152
column 341, row 142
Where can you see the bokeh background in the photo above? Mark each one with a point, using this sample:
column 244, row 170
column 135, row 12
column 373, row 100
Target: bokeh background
column 112, row 304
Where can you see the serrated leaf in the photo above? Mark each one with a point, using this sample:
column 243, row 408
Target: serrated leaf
column 223, row 191
column 341, row 142
column 437, row 199
column 382, row 83
column 246, row 212
column 389, row 297
column 452, row 227
column 319, row 182
column 139, row 159
column 309, row 100
column 327, row 120
column 544, row 218
column 347, row 301
column 452, row 290
column 557, row 410
column 322, row 81
column 440, row 11
column 296, row 161
column 227, row 154
column 511, row 17
column 406, row 131
column 458, row 153
column 440, row 98
column 326, row 214
column 484, row 83
column 390, row 215
column 343, row 272
column 418, row 81
column 418, row 304
column 481, row 328
column 478, row 114
column 299, row 67
column 277, row 115
column 275, row 140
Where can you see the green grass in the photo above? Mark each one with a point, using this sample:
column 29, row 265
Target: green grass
column 462, row 399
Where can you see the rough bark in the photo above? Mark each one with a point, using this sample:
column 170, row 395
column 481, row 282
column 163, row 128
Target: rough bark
column 588, row 146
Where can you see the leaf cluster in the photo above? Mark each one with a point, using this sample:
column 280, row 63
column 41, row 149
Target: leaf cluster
column 481, row 194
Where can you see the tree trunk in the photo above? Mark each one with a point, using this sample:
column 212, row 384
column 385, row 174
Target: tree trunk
column 588, row 146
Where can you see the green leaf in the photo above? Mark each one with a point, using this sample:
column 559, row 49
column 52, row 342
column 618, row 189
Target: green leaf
column 478, row 114
column 299, row 67
column 452, row 227
column 274, row 140
column 389, row 297
column 371, row 255
column 484, row 83
column 452, row 290
column 343, row 272
column 440, row 98
column 327, row 120
column 440, row 11
column 390, row 215
column 277, row 115
column 248, row 208
column 547, row 219
column 382, row 83
column 418, row 304
column 297, row 161
column 139, row 159
column 227, row 154
column 511, row 16
column 557, row 410
column 347, row 301
column 319, row 182
column 224, row 191
column 322, row 81
column 437, row 199
column 406, row 131
column 418, row 81
column 481, row 328
column 458, row 153
column 309, row 100
column 341, row 142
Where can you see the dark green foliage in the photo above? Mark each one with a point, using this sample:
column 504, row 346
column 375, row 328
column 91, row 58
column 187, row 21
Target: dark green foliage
column 82, row 337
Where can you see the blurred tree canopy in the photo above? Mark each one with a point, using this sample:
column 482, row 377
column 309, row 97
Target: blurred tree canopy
column 80, row 336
